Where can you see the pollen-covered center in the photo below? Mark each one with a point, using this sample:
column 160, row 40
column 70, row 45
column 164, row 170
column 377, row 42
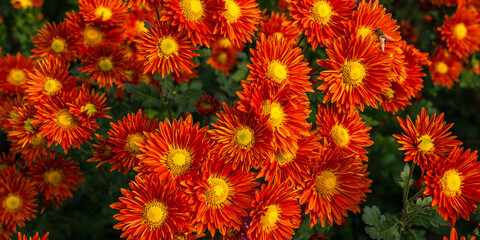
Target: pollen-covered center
column 28, row 126
column 277, row 115
column 16, row 76
column 224, row 43
column 179, row 161
column 353, row 73
column 92, row 36
column 218, row 193
column 233, row 11
column 58, row 45
column 284, row 158
column 103, row 13
column 90, row 108
column 272, row 215
column 222, row 57
column 326, row 183
column 460, row 31
column 426, row 144
column 321, row 12
column 12, row 202
column 451, row 183
column 105, row 64
column 51, row 86
column 192, row 9
column 65, row 120
column 364, row 32
column 53, row 176
column 441, row 67
column 277, row 71
column 37, row 141
column 154, row 214
column 167, row 47
column 340, row 135
column 130, row 145
column 244, row 137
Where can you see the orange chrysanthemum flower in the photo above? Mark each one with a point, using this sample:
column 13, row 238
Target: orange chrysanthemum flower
column 88, row 106
column 35, row 237
column 222, row 59
column 344, row 130
column 426, row 139
column 453, row 182
column 104, row 12
column 175, row 151
column 281, row 64
column 13, row 74
column 49, row 78
column 279, row 26
column 21, row 126
column 186, row 76
column 237, row 20
column 208, row 105
column 165, row 49
column 55, row 40
column 338, row 184
column 221, row 197
column 30, row 151
column 446, row 67
column 354, row 78
column 152, row 209
column 320, row 19
column 394, row 98
column 276, row 212
column 454, row 236
column 18, row 198
column 242, row 139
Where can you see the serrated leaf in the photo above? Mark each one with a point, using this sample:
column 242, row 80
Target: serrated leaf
column 404, row 176
column 148, row 95
column 371, row 215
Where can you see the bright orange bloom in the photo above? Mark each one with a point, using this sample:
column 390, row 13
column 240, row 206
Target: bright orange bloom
column 175, row 151
column 57, row 41
column 276, row 212
column 344, row 130
column 13, row 74
column 104, row 12
column 152, row 209
column 165, row 49
column 453, row 183
column 220, row 196
column 242, row 139
column 426, row 139
column 88, row 106
column 207, row 105
column 32, row 150
column 354, row 78
column 320, row 19
column 279, row 26
column 35, row 237
column 55, row 177
column 338, row 184
column 446, row 67
column 222, row 59
column 395, row 98
column 237, row 20
column 454, row 236
column 21, row 124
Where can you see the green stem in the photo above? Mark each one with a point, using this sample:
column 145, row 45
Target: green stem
column 418, row 194
column 405, row 203
column 158, row 14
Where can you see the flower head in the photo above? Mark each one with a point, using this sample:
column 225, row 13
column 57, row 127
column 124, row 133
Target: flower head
column 55, row 40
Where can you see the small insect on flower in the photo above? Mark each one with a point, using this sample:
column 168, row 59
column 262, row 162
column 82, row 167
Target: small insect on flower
column 382, row 37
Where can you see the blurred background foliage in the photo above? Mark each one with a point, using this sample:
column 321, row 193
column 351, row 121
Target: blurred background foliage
column 88, row 216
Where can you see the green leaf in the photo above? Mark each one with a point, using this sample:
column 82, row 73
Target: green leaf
column 148, row 95
column 380, row 226
column 404, row 176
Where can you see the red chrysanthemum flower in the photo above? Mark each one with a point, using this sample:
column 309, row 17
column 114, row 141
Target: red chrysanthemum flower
column 426, row 139
column 338, row 184
column 186, row 76
column 395, row 98
column 13, row 74
column 242, row 139
column 49, row 78
column 208, row 105
column 152, row 209
column 446, row 67
column 104, row 12
column 276, row 212
column 193, row 16
column 35, row 237
column 408, row 33
column 454, row 236
column 165, row 49
column 30, row 151
column 55, row 40
column 7, row 160
column 320, row 19
column 354, row 78
column 453, row 182
column 279, row 26
column 89, row 106
column 103, row 150
column 175, row 151
column 21, row 126
column 237, row 20
column 220, row 197
column 222, row 59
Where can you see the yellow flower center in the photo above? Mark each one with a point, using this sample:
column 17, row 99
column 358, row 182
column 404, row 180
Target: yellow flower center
column 105, row 64
column 219, row 191
column 277, row 71
column 426, row 144
column 28, row 125
column 321, row 12
column 58, row 45
column 340, row 135
column 90, row 108
column 130, row 145
column 353, row 73
column 451, row 183
column 277, row 115
column 38, row 141
column 167, row 47
column 16, row 76
column 441, row 67
column 364, row 32
column 65, row 120
column 224, row 43
column 179, row 161
column 154, row 214
column 51, row 86
column 233, row 12
column 326, row 183
column 389, row 94
column 244, row 137
column 271, row 217
column 53, row 177
column 278, row 35
column 192, row 9
column 284, row 158
column 140, row 25
column 12, row 202
column 144, row 78
column 460, row 31
column 222, row 57
column 92, row 36
column 103, row 13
